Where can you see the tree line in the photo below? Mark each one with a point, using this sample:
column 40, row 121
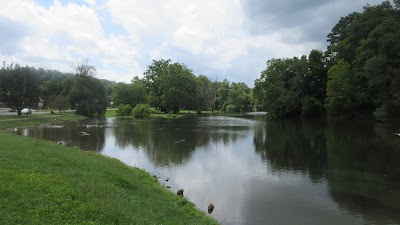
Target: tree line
column 358, row 75
column 166, row 86
column 25, row 86
column 170, row 87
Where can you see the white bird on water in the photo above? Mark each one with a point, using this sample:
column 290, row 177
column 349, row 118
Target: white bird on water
column 398, row 134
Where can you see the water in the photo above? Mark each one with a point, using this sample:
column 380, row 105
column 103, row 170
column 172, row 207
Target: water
column 257, row 170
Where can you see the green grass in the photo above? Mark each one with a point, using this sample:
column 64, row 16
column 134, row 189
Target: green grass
column 155, row 114
column 182, row 113
column 111, row 113
column 45, row 183
column 36, row 119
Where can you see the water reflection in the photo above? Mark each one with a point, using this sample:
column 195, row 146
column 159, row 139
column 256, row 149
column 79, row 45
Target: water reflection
column 257, row 170
column 167, row 143
column 69, row 134
column 358, row 160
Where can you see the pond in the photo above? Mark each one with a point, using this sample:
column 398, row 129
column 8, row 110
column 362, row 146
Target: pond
column 257, row 170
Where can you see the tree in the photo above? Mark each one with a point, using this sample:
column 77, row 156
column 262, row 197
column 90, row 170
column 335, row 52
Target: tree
column 369, row 43
column 170, row 86
column 223, row 94
column 204, row 98
column 177, row 87
column 19, row 86
column 85, row 92
column 59, row 102
column 238, row 98
column 131, row 94
column 340, row 93
column 152, row 78
column 141, row 110
column 124, row 110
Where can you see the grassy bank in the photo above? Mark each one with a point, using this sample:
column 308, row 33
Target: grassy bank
column 155, row 114
column 45, row 183
column 36, row 119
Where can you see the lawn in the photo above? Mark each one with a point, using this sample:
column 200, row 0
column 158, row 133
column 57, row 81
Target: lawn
column 36, row 119
column 46, row 183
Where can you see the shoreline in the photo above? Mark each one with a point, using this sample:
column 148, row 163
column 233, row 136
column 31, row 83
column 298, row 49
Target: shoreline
column 47, row 183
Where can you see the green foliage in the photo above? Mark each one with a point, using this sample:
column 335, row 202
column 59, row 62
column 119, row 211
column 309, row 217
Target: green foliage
column 141, row 110
column 124, row 110
column 59, row 102
column 340, row 93
column 132, row 94
column 285, row 82
column 358, row 74
column 311, row 106
column 19, row 86
column 233, row 97
column 204, row 98
column 45, row 183
column 369, row 43
column 177, row 88
column 86, row 93
column 170, row 86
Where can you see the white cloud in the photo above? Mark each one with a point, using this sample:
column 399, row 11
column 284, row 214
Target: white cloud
column 212, row 37
column 63, row 33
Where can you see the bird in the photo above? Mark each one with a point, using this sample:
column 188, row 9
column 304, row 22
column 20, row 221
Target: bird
column 210, row 208
column 398, row 134
column 180, row 192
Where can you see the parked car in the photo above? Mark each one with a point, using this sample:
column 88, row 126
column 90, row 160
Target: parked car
column 26, row 111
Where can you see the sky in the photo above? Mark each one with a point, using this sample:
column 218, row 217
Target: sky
column 221, row 39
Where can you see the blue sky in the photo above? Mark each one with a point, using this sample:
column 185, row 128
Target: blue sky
column 221, row 39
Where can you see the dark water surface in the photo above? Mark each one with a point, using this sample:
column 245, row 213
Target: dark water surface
column 257, row 170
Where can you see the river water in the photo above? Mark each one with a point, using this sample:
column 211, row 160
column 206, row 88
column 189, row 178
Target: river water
column 257, row 170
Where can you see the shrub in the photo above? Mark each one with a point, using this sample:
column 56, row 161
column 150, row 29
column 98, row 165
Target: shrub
column 124, row 110
column 310, row 106
column 141, row 110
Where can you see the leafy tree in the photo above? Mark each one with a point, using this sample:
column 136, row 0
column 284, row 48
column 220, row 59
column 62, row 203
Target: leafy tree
column 19, row 86
column 131, row 94
column 59, row 102
column 152, row 78
column 238, row 98
column 177, row 87
column 340, row 93
column 204, row 98
column 170, row 86
column 369, row 43
column 141, row 110
column 223, row 94
column 85, row 92
column 124, row 110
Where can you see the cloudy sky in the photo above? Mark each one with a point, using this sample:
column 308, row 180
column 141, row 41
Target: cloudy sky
column 219, row 38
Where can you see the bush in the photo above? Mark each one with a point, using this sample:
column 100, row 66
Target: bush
column 124, row 110
column 310, row 106
column 141, row 110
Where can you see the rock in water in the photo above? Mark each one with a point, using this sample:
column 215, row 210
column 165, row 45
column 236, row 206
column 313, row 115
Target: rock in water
column 180, row 192
column 210, row 208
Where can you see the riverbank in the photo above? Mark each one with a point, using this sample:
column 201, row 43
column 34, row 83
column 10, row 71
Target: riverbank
column 46, row 183
column 15, row 121
column 154, row 114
